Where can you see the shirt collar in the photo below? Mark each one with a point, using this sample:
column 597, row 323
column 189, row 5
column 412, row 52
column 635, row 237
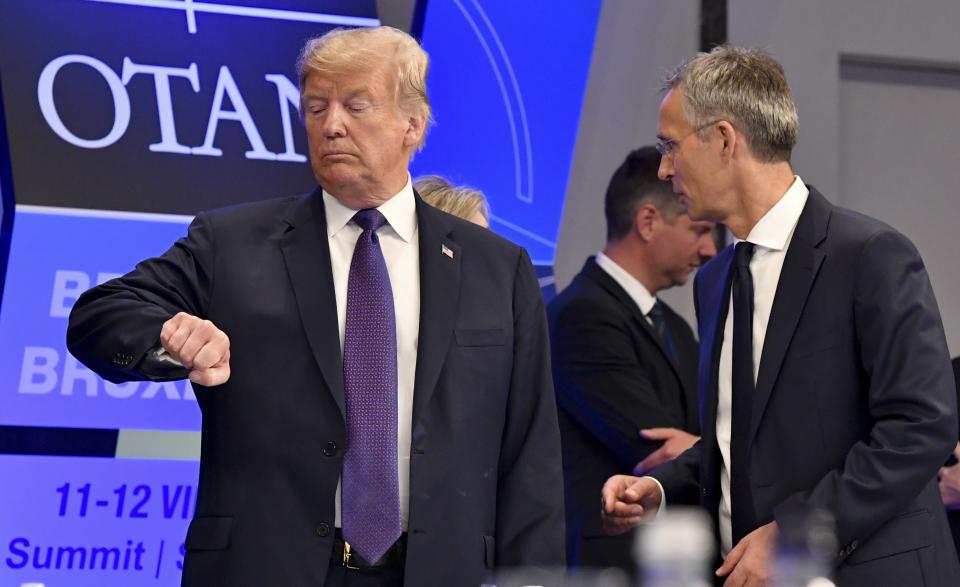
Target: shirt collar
column 400, row 211
column 775, row 227
column 629, row 283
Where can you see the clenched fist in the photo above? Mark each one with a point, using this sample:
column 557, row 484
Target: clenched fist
column 199, row 346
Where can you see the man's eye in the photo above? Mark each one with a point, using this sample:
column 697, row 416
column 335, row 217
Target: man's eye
column 357, row 107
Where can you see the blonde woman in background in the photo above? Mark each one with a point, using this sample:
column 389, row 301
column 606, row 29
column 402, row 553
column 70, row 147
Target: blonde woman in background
column 464, row 202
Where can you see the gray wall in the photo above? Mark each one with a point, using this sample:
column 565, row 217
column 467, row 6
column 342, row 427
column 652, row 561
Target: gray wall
column 637, row 43
column 877, row 85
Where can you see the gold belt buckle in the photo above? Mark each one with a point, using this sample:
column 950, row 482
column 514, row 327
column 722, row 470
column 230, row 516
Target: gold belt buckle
column 347, row 555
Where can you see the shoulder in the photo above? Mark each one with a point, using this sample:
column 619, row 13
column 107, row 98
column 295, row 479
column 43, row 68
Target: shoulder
column 585, row 299
column 476, row 239
column 858, row 235
column 251, row 213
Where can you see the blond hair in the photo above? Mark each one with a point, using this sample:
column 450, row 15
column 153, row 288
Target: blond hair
column 460, row 201
column 748, row 88
column 346, row 50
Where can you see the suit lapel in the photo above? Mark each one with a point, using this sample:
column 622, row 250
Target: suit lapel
column 608, row 283
column 306, row 253
column 714, row 293
column 800, row 267
column 439, row 301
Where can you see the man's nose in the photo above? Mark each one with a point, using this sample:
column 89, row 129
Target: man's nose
column 708, row 247
column 665, row 171
column 333, row 123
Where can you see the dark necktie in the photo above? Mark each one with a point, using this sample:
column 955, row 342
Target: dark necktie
column 371, row 494
column 742, row 514
column 656, row 316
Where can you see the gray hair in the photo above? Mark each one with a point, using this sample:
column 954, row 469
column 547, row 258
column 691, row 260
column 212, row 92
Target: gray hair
column 346, row 50
column 748, row 88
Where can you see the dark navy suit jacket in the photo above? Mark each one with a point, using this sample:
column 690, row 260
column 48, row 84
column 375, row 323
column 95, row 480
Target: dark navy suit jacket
column 855, row 408
column 485, row 471
column 613, row 377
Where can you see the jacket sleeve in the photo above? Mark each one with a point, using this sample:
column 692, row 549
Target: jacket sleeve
column 910, row 396
column 601, row 382
column 114, row 327
column 680, row 477
column 530, row 523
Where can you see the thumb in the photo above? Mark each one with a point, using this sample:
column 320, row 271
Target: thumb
column 213, row 376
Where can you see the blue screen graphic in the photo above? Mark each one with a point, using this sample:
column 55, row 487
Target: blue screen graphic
column 507, row 82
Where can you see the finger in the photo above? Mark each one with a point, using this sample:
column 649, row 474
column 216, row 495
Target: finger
column 213, row 353
column 653, row 459
column 627, row 510
column 170, row 326
column 732, row 559
column 736, row 579
column 610, row 493
column 658, row 433
column 620, row 525
column 619, row 488
column 182, row 328
column 203, row 332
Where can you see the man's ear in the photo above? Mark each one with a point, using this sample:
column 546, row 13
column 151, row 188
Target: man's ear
column 416, row 127
column 646, row 221
column 729, row 141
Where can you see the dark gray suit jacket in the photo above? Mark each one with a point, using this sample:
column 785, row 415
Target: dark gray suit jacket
column 855, row 407
column 485, row 473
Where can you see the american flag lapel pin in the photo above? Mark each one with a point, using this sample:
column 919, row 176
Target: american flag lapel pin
column 446, row 250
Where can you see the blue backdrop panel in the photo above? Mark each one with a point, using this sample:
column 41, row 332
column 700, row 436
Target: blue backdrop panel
column 56, row 254
column 87, row 522
column 507, row 85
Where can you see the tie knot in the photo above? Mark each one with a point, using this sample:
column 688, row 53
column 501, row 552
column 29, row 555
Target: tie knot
column 743, row 253
column 656, row 312
column 369, row 219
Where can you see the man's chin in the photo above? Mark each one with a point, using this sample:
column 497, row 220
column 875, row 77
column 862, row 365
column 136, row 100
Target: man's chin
column 334, row 175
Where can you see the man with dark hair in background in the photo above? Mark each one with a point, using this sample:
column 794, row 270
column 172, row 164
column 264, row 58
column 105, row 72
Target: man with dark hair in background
column 624, row 362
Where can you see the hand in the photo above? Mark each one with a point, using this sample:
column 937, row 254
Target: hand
column 950, row 482
column 750, row 563
column 627, row 501
column 675, row 442
column 199, row 346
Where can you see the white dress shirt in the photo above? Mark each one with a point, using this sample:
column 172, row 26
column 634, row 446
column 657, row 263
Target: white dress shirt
column 399, row 240
column 772, row 236
column 637, row 292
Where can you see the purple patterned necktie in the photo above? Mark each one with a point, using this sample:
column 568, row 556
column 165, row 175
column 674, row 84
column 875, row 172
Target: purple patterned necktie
column 371, row 489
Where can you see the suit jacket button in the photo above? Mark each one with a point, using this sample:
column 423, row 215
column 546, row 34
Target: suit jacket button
column 330, row 449
column 323, row 530
column 703, row 491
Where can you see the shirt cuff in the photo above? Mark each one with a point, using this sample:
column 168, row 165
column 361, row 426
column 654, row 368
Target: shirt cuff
column 663, row 498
